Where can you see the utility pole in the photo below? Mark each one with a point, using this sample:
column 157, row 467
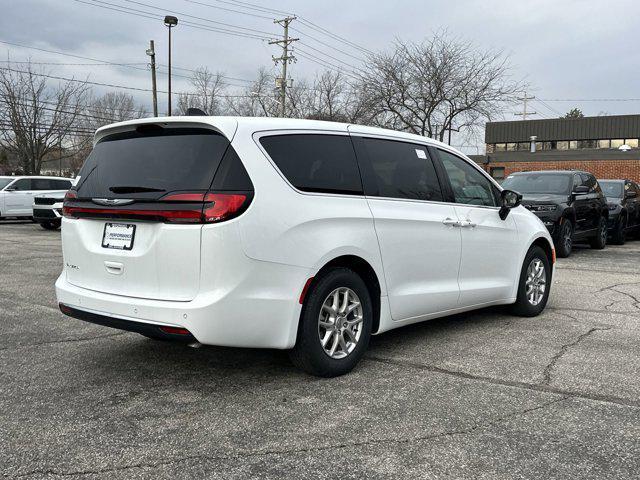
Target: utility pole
column 152, row 53
column 524, row 112
column 281, row 82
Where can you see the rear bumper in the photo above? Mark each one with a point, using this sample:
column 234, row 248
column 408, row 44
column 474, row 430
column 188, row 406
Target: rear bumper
column 261, row 311
column 122, row 324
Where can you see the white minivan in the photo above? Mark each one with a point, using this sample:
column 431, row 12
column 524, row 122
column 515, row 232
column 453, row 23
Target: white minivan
column 290, row 234
column 17, row 193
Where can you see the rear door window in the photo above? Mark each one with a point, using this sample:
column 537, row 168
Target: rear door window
column 316, row 162
column 41, row 184
column 397, row 169
column 151, row 162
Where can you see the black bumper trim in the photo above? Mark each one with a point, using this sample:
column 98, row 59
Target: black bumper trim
column 128, row 325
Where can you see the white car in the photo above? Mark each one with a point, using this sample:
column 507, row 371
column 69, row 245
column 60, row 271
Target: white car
column 17, row 193
column 47, row 210
column 290, row 234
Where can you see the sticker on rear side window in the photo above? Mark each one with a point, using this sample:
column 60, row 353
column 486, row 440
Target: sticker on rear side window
column 421, row 153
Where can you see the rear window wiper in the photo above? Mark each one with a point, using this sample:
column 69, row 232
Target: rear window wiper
column 127, row 189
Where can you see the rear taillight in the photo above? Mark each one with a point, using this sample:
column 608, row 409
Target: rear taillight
column 173, row 208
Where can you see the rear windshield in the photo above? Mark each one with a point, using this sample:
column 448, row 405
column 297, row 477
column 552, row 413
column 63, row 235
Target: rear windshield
column 150, row 163
column 611, row 189
column 539, row 183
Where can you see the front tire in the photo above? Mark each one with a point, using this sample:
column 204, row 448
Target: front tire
column 600, row 240
column 335, row 324
column 534, row 284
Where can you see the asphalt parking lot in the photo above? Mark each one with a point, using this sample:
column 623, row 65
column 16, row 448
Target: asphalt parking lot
column 482, row 395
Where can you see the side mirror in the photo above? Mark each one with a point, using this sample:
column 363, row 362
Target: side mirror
column 581, row 190
column 10, row 189
column 508, row 200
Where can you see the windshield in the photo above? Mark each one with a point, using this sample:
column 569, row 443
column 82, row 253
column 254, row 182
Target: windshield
column 557, row 184
column 4, row 182
column 611, row 189
column 146, row 165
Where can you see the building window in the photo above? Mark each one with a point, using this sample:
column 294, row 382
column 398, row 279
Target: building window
column 524, row 146
column 491, row 147
column 562, row 145
column 512, row 147
column 587, row 144
column 501, row 147
column 632, row 142
column 497, row 173
column 617, row 143
column 604, row 143
column 573, row 144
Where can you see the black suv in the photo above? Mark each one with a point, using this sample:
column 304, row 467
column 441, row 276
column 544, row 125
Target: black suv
column 624, row 208
column 571, row 204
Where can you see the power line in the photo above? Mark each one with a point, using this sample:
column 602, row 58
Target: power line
column 326, row 64
column 229, row 9
column 327, row 45
column 592, row 99
column 152, row 16
column 111, row 85
column 107, row 64
column 327, row 55
column 524, row 112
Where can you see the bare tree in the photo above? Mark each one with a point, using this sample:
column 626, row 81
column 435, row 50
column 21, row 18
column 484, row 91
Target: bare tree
column 257, row 100
column 37, row 118
column 208, row 88
column 109, row 108
column 439, row 85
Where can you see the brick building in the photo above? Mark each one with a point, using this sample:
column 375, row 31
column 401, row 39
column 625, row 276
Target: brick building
column 606, row 146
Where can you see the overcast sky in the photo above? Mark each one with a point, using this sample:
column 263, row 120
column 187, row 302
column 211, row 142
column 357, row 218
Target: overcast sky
column 565, row 49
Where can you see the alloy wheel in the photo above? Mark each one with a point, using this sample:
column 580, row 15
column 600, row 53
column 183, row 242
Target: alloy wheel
column 340, row 322
column 567, row 237
column 536, row 282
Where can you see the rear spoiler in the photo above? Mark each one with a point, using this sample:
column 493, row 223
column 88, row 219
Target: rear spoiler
column 226, row 126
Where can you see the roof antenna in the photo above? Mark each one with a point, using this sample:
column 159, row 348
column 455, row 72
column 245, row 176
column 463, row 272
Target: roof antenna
column 196, row 112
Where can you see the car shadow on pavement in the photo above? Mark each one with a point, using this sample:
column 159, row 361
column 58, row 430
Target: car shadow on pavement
column 140, row 359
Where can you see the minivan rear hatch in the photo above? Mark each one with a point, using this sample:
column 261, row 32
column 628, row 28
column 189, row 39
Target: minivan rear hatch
column 137, row 209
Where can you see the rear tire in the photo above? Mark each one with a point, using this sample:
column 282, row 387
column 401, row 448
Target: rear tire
column 53, row 225
column 337, row 301
column 534, row 284
column 600, row 240
column 619, row 236
column 565, row 239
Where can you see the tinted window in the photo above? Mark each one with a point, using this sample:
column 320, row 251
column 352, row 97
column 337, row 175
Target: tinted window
column 152, row 162
column 4, row 182
column 60, row 184
column 316, row 163
column 22, row 184
column 398, row 170
column 231, row 175
column 590, row 181
column 577, row 181
column 41, row 184
column 469, row 185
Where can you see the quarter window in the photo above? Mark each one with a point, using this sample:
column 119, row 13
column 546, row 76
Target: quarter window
column 470, row 187
column 41, row 184
column 398, row 170
column 316, row 162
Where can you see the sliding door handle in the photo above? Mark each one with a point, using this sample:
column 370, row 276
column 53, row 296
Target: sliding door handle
column 450, row 222
column 467, row 224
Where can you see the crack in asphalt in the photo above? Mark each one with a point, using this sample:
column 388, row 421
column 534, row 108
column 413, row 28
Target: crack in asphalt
column 310, row 449
column 632, row 313
column 546, row 374
column 538, row 387
column 68, row 340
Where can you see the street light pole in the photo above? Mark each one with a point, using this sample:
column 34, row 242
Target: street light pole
column 170, row 22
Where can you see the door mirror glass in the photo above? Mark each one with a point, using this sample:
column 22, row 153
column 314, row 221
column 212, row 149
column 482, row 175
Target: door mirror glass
column 10, row 189
column 581, row 190
column 508, row 200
